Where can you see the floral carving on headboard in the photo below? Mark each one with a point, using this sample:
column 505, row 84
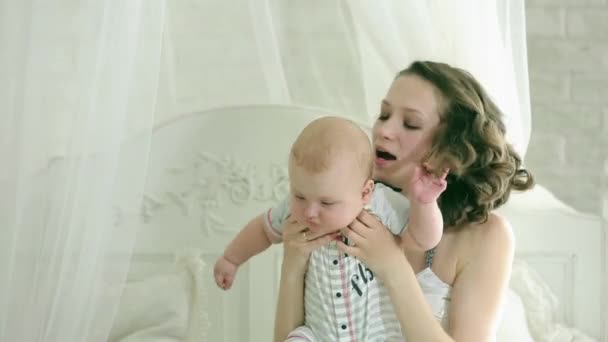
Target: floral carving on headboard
column 208, row 182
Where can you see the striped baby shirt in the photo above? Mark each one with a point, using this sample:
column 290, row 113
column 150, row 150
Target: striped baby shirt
column 343, row 300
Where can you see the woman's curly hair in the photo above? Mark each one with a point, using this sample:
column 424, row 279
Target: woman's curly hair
column 471, row 142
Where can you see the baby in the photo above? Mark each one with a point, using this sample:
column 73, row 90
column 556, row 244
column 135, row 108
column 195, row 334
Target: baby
column 330, row 170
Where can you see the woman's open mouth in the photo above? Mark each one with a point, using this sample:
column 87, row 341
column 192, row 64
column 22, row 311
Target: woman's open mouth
column 383, row 157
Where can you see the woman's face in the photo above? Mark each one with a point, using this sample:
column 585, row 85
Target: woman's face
column 404, row 130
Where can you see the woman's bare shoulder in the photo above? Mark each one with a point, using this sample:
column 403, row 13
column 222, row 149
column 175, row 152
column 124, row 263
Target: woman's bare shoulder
column 496, row 227
column 484, row 239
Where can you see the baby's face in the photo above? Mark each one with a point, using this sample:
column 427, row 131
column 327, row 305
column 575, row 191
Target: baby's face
column 326, row 201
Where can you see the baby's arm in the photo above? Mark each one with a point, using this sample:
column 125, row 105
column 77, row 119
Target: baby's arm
column 251, row 240
column 425, row 226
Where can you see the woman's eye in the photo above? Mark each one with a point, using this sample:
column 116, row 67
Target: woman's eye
column 383, row 116
column 410, row 126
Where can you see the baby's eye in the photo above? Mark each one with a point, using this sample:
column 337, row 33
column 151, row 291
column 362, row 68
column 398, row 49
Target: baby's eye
column 327, row 203
column 298, row 197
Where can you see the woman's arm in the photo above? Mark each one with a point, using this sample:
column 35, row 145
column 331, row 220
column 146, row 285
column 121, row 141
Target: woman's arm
column 477, row 291
column 413, row 311
column 290, row 305
column 296, row 252
column 378, row 249
column 482, row 282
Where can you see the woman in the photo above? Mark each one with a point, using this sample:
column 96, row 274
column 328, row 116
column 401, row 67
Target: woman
column 436, row 114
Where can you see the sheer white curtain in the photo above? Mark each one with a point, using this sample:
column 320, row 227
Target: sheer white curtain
column 341, row 56
column 83, row 81
column 486, row 38
column 78, row 83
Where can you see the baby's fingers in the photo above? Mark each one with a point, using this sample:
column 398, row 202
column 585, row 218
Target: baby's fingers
column 435, row 171
column 227, row 283
column 220, row 281
column 441, row 183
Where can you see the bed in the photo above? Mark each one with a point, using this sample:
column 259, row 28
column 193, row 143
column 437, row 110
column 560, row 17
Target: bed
column 211, row 171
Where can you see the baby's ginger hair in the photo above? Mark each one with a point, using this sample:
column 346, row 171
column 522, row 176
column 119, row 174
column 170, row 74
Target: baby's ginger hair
column 328, row 139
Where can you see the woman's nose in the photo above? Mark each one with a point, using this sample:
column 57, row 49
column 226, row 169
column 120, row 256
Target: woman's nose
column 386, row 129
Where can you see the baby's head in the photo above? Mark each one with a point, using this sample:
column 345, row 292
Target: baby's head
column 330, row 168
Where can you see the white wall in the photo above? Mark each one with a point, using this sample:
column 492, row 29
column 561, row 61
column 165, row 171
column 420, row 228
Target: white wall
column 568, row 56
column 213, row 38
column 568, row 64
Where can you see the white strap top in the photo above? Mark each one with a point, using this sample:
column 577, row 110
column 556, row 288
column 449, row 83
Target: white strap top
column 436, row 292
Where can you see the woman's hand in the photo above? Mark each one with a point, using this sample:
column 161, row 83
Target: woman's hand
column 373, row 244
column 298, row 243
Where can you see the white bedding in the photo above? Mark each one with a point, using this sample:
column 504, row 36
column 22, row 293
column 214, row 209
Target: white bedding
column 170, row 307
column 531, row 310
column 165, row 307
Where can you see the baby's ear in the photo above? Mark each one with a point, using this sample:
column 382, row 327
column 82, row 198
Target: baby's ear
column 368, row 188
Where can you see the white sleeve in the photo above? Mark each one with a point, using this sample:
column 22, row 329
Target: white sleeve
column 391, row 207
column 274, row 219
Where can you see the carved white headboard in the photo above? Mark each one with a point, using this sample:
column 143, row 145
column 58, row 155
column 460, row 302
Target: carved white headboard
column 210, row 172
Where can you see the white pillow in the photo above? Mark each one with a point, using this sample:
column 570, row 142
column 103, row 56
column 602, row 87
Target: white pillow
column 153, row 309
column 164, row 308
column 541, row 306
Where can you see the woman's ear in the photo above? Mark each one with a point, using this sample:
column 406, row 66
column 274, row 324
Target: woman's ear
column 368, row 188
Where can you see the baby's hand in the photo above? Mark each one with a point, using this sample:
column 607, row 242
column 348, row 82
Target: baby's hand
column 426, row 187
column 224, row 272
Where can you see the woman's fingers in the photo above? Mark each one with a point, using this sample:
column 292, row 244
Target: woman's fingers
column 367, row 220
column 350, row 250
column 292, row 230
column 291, row 227
column 323, row 240
column 311, row 236
column 308, row 243
column 351, row 233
